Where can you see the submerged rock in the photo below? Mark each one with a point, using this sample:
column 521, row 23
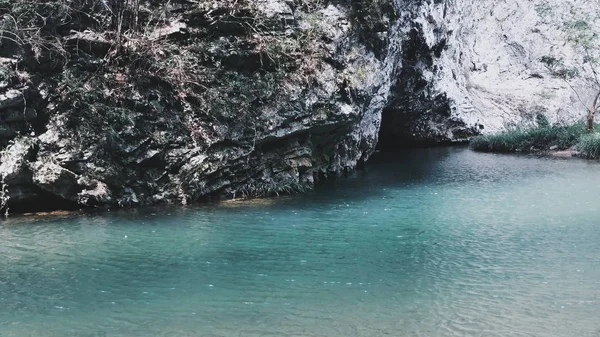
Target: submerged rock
column 228, row 100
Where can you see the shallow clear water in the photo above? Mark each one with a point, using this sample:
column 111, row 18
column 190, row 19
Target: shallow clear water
column 440, row 242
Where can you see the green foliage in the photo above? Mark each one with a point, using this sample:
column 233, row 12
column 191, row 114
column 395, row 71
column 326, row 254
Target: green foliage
column 581, row 33
column 578, row 25
column 532, row 140
column 543, row 8
column 589, row 145
column 557, row 67
column 542, row 121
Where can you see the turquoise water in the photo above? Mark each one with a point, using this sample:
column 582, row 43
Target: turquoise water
column 440, row 242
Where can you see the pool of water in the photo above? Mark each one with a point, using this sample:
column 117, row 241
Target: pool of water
column 437, row 242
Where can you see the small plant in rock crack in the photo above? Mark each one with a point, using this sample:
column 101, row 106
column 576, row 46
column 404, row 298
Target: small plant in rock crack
column 543, row 9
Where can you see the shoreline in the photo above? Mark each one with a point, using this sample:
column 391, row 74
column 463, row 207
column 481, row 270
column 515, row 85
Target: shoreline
column 570, row 153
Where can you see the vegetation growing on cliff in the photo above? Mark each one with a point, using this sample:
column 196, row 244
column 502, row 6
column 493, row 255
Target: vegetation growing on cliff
column 138, row 102
column 112, row 60
column 582, row 36
column 580, row 31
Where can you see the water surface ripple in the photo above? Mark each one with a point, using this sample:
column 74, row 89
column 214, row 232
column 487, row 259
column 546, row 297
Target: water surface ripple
column 440, row 242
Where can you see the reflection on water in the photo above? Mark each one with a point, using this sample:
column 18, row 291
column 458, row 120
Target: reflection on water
column 440, row 242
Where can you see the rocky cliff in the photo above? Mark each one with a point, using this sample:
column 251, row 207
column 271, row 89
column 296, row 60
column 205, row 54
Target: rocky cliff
column 125, row 103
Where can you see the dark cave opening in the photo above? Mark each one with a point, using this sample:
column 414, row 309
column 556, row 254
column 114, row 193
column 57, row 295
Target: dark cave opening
column 42, row 201
column 392, row 131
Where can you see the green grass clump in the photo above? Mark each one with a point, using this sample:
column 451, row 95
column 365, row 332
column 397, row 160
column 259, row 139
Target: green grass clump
column 532, row 140
column 589, row 146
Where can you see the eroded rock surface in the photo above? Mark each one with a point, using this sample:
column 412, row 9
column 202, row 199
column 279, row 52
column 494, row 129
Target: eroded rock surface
column 473, row 67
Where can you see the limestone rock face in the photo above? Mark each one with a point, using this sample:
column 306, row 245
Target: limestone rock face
column 224, row 99
column 473, row 67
